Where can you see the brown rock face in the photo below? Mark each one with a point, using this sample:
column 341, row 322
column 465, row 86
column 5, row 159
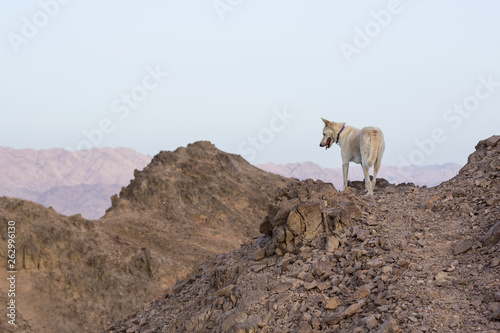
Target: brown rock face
column 492, row 237
column 71, row 273
column 304, row 210
column 201, row 184
column 192, row 203
column 76, row 275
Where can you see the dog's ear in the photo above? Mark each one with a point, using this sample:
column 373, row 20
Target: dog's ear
column 325, row 121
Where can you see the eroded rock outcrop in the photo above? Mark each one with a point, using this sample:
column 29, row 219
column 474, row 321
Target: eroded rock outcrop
column 303, row 211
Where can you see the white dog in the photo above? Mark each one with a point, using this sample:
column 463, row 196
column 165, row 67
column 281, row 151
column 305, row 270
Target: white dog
column 363, row 146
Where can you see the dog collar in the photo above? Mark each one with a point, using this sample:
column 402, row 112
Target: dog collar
column 338, row 135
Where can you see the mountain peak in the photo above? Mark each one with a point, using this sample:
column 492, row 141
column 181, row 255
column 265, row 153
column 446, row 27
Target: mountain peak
column 175, row 182
column 205, row 144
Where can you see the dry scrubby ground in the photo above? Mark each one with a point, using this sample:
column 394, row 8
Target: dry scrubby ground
column 407, row 259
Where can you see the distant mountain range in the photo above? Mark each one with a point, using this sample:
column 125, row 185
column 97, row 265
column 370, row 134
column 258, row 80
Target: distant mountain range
column 83, row 182
column 431, row 175
column 70, row 182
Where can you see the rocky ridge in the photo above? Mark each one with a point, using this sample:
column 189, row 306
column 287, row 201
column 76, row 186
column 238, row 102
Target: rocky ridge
column 191, row 204
column 408, row 259
column 77, row 275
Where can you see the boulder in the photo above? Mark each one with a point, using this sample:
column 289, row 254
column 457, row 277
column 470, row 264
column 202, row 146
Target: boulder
column 303, row 211
column 492, row 236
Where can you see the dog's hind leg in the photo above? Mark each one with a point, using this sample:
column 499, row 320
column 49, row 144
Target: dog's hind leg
column 378, row 161
column 368, row 183
column 376, row 167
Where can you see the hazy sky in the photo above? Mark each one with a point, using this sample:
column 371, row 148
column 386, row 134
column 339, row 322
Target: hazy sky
column 252, row 76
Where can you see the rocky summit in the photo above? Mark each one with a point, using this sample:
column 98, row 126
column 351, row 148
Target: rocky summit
column 407, row 259
column 191, row 204
column 76, row 275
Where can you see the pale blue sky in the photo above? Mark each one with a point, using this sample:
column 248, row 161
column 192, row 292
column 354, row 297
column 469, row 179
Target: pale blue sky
column 229, row 78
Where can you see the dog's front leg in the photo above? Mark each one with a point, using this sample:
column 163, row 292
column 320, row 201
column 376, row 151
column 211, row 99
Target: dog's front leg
column 345, row 171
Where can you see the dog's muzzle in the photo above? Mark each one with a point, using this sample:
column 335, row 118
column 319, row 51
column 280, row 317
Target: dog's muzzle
column 328, row 143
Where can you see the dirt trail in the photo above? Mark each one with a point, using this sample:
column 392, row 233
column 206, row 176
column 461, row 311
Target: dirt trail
column 434, row 285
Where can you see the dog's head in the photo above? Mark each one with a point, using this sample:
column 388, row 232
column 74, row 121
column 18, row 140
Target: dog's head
column 330, row 133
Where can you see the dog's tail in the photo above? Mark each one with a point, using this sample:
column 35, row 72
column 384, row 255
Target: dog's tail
column 376, row 145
